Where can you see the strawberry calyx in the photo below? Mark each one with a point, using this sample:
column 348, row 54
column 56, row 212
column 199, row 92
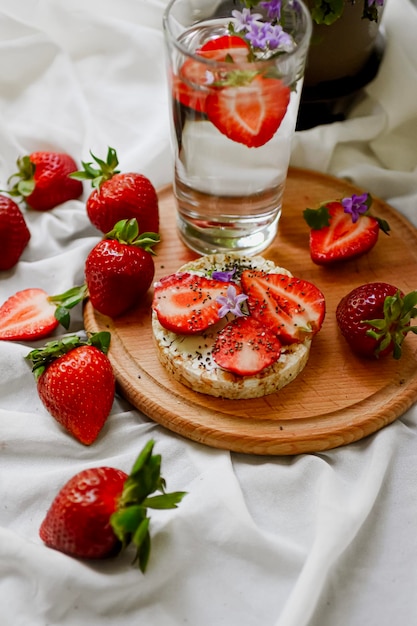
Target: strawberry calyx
column 127, row 232
column 392, row 329
column 98, row 175
column 66, row 301
column 41, row 358
column 25, row 184
column 130, row 522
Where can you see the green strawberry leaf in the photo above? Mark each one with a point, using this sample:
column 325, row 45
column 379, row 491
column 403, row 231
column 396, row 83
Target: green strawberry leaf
column 41, row 358
column 395, row 325
column 317, row 218
column 130, row 521
column 66, row 301
column 98, row 175
column 127, row 232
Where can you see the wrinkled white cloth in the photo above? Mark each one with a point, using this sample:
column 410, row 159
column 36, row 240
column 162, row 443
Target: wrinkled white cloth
column 323, row 539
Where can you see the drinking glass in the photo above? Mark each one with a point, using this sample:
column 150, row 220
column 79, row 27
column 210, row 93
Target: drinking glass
column 233, row 114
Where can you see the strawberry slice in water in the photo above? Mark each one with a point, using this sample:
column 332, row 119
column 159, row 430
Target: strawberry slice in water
column 292, row 307
column 190, row 86
column 187, row 303
column 246, row 347
column 341, row 238
column 28, row 314
column 249, row 113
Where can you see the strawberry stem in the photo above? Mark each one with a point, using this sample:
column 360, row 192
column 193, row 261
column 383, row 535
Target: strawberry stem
column 98, row 175
column 130, row 522
column 393, row 327
column 41, row 358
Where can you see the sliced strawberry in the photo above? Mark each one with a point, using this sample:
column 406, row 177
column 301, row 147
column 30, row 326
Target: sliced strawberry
column 342, row 238
column 294, row 308
column 250, row 113
column 188, row 86
column 245, row 346
column 28, row 314
column 187, row 304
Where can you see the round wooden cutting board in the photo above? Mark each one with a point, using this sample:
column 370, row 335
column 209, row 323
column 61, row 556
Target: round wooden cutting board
column 337, row 399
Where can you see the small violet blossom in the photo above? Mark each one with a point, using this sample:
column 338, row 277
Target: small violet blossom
column 225, row 277
column 273, row 8
column 379, row 3
column 263, row 35
column 244, row 19
column 276, row 38
column 356, row 205
column 230, row 303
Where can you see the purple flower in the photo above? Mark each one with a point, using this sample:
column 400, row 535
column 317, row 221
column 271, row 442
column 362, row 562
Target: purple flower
column 230, row 303
column 379, row 3
column 277, row 38
column 244, row 19
column 273, row 8
column 225, row 277
column 256, row 35
column 356, row 205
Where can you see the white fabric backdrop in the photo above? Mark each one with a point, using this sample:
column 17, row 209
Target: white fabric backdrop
column 317, row 539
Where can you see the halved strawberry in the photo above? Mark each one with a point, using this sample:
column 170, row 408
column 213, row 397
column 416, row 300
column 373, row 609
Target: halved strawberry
column 334, row 236
column 249, row 113
column 245, row 346
column 28, row 314
column 187, row 303
column 193, row 76
column 33, row 314
column 292, row 307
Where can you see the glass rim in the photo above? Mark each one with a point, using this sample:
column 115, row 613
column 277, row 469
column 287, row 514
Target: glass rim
column 172, row 39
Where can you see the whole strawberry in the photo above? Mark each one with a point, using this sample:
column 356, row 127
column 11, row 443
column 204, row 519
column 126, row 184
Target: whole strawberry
column 102, row 510
column 43, row 180
column 375, row 318
column 75, row 383
column 14, row 233
column 119, row 270
column 117, row 196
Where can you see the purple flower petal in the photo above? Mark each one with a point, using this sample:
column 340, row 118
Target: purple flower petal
column 231, row 302
column 356, row 205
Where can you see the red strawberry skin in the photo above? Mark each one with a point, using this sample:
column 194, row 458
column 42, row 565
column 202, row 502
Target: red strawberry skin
column 27, row 315
column 77, row 522
column 295, row 308
column 186, row 303
column 77, row 389
column 365, row 302
column 14, row 233
column 124, row 196
column 117, row 275
column 342, row 239
column 245, row 347
column 250, row 114
column 52, row 183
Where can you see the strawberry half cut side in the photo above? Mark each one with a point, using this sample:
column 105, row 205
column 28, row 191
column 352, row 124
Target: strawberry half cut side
column 249, row 113
column 246, row 347
column 292, row 307
column 341, row 238
column 27, row 315
column 187, row 303
column 33, row 314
